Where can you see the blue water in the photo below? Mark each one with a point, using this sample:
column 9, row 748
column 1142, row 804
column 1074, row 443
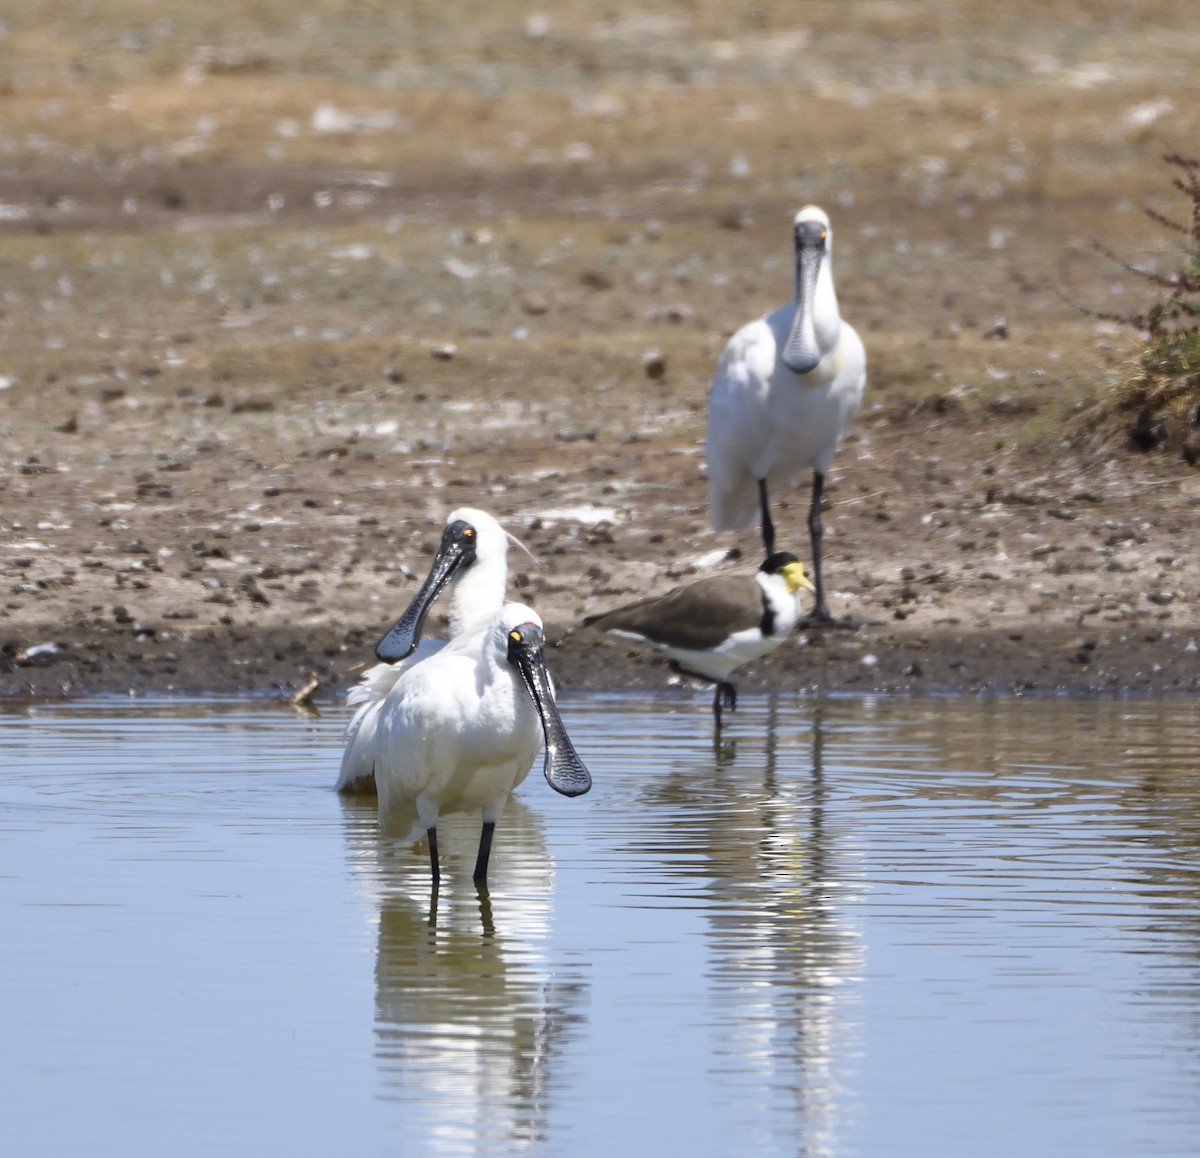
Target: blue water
column 853, row 927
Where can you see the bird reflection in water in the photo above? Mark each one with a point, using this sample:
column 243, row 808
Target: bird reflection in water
column 470, row 1020
column 784, row 950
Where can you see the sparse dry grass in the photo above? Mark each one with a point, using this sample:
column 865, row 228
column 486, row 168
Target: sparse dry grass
column 1156, row 403
column 233, row 234
column 236, row 185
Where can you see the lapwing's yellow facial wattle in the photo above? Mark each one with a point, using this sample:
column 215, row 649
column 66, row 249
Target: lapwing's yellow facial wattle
column 796, row 578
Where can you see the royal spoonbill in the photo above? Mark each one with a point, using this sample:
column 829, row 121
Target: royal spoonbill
column 716, row 624
column 460, row 731
column 785, row 389
column 473, row 558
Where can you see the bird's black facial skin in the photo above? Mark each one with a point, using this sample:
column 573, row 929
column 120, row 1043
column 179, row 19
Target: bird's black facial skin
column 464, row 536
column 457, row 550
column 521, row 640
column 810, row 235
column 565, row 772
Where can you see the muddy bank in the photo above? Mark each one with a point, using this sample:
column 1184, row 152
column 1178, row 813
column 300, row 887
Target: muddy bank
column 886, row 661
column 263, row 326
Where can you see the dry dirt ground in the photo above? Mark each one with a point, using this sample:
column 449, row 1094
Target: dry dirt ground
column 278, row 295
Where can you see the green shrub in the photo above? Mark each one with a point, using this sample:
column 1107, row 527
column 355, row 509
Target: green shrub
column 1158, row 404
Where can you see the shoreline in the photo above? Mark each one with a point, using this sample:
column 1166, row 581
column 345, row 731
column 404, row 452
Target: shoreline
column 875, row 660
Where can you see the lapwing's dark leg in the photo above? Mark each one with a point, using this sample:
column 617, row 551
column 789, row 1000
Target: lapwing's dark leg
column 819, row 616
column 435, row 872
column 485, row 851
column 768, row 527
column 724, row 693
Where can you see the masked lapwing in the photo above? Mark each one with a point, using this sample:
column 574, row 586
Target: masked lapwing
column 712, row 626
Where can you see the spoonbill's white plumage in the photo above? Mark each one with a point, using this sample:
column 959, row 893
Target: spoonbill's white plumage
column 712, row 626
column 785, row 389
column 473, row 558
column 460, row 731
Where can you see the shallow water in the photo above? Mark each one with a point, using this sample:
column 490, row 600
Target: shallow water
column 859, row 926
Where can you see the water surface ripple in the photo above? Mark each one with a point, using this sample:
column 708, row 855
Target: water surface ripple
column 849, row 926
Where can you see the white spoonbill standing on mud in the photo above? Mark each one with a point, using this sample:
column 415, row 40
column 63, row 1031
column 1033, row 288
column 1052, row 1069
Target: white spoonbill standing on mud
column 460, row 731
column 473, row 558
column 785, row 389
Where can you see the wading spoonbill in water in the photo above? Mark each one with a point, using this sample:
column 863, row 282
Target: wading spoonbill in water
column 473, row 558
column 460, row 731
